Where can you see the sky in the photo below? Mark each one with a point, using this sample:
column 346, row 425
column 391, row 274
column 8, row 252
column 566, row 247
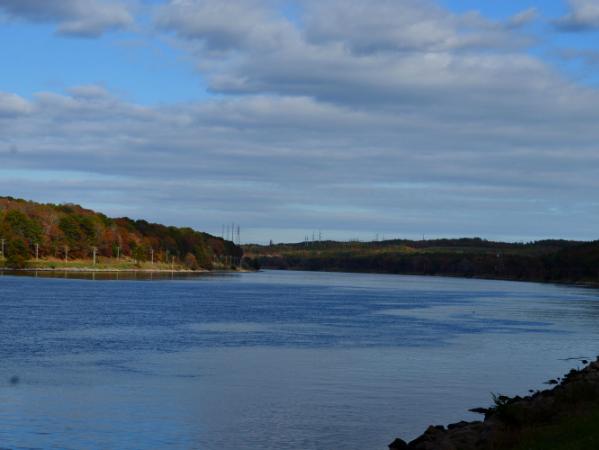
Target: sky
column 352, row 118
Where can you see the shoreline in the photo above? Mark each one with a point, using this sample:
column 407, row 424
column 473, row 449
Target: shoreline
column 108, row 270
column 101, row 270
column 552, row 418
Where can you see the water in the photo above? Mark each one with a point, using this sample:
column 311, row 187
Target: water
column 273, row 360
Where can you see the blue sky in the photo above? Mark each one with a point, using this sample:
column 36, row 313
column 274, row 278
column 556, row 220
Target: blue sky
column 396, row 117
column 141, row 68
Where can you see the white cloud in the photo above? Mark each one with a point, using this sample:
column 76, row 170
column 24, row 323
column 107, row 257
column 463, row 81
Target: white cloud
column 583, row 16
column 357, row 52
column 223, row 26
column 80, row 18
column 89, row 91
column 523, row 18
column 402, row 26
column 11, row 105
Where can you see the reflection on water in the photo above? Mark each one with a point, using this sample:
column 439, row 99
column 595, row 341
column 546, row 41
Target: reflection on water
column 272, row 360
column 111, row 275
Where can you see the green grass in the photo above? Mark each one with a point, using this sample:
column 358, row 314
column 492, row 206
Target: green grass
column 573, row 433
column 102, row 264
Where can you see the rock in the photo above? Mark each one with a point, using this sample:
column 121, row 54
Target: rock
column 433, row 438
column 398, row 444
column 461, row 424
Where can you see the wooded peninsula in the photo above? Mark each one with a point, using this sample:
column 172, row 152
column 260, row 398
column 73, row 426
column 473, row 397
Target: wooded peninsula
column 68, row 236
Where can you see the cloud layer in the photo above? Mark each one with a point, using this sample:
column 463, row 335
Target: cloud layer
column 398, row 117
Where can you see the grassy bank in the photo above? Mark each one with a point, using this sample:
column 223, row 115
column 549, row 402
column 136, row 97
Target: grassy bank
column 107, row 264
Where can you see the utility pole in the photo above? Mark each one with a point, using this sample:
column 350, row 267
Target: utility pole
column 37, row 252
column 238, row 235
column 94, row 250
column 152, row 255
column 172, row 264
column 66, row 253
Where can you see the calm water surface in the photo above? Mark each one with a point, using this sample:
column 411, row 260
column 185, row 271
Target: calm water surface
column 273, row 360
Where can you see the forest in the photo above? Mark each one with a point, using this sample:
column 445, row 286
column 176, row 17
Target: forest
column 31, row 232
column 546, row 260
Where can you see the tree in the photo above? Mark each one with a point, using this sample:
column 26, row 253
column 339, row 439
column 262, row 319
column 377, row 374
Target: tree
column 18, row 254
column 140, row 254
column 203, row 257
column 70, row 229
column 191, row 262
column 18, row 225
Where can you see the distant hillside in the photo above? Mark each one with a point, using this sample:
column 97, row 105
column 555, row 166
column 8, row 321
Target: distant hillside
column 548, row 260
column 69, row 232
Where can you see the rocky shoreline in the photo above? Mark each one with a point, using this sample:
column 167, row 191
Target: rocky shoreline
column 510, row 419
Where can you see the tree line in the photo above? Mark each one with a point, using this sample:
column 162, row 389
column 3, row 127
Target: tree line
column 548, row 260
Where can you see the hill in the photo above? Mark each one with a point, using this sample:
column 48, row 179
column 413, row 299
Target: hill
column 50, row 235
column 546, row 260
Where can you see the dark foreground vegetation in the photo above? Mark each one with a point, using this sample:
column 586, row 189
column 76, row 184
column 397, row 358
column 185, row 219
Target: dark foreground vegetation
column 48, row 235
column 548, row 260
column 563, row 418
